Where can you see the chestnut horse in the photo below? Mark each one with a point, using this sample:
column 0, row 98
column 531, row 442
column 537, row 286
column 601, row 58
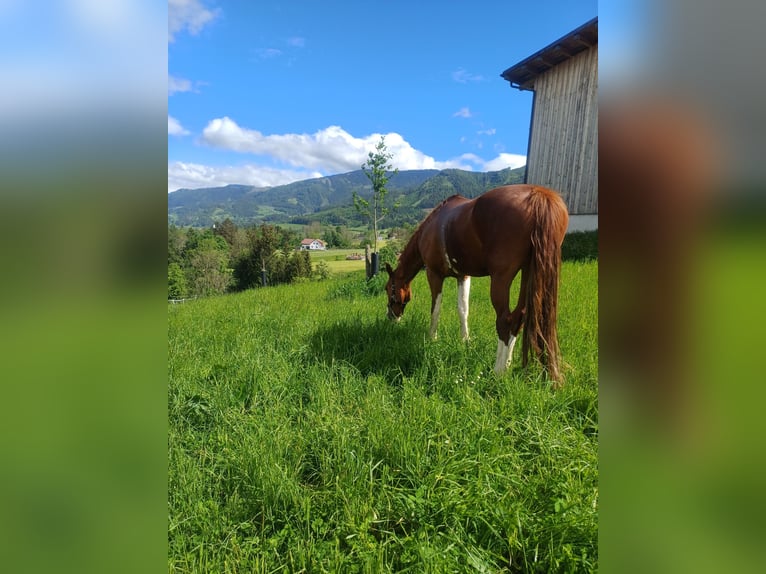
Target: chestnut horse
column 507, row 229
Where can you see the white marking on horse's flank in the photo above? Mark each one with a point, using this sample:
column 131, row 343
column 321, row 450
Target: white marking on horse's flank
column 449, row 263
column 435, row 315
column 504, row 353
column 463, row 293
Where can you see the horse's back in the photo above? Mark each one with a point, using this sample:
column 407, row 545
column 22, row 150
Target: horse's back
column 501, row 213
column 508, row 209
column 506, row 216
column 490, row 232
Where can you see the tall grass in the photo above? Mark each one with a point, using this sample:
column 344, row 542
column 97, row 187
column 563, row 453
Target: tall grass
column 309, row 434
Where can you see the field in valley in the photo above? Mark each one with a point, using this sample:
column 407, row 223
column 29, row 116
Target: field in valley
column 336, row 260
column 309, row 434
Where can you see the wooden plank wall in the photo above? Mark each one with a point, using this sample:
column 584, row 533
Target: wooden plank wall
column 563, row 151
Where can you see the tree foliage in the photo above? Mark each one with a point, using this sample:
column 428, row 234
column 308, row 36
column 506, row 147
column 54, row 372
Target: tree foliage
column 207, row 263
column 177, row 285
column 223, row 258
column 271, row 249
column 378, row 170
column 226, row 229
column 338, row 237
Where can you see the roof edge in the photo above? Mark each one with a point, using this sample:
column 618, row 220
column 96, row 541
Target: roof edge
column 522, row 74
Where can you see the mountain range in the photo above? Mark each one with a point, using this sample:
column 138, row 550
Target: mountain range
column 329, row 200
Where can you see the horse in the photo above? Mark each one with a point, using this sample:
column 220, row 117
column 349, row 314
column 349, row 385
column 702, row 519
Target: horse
column 508, row 229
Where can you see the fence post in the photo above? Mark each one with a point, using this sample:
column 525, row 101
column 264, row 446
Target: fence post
column 374, row 265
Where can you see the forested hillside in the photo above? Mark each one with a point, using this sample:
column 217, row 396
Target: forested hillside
column 328, row 199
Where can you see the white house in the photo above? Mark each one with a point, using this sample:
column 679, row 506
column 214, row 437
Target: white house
column 313, row 245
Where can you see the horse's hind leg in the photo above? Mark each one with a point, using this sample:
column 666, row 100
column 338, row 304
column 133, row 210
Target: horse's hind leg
column 463, row 292
column 435, row 282
column 517, row 315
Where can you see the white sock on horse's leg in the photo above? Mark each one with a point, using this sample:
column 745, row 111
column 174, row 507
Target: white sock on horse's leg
column 463, row 293
column 435, row 316
column 501, row 361
column 511, row 343
column 504, row 353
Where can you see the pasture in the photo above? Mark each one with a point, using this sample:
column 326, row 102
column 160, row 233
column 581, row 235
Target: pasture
column 309, row 434
column 336, row 260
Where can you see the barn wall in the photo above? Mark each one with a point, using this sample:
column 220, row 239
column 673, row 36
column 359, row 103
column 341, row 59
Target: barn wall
column 563, row 144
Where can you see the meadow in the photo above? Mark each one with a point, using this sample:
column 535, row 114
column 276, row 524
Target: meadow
column 309, row 434
column 336, row 260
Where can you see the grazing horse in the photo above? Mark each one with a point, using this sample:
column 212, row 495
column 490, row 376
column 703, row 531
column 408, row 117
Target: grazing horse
column 507, row 229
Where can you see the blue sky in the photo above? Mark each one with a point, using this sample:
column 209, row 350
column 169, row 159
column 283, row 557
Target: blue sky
column 269, row 92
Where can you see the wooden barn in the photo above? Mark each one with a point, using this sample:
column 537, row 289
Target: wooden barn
column 563, row 134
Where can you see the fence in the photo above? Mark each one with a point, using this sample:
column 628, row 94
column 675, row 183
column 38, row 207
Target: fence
column 174, row 301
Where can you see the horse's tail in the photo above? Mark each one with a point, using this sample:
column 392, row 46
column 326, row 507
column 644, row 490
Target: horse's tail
column 549, row 224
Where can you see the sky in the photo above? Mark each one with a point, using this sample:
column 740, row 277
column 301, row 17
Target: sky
column 269, row 92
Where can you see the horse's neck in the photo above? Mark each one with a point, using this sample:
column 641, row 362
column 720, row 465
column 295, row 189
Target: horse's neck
column 410, row 260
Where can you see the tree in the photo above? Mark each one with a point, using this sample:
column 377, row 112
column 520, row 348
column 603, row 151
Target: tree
column 207, row 256
column 177, row 286
column 337, row 237
column 176, row 242
column 211, row 273
column 226, row 229
column 313, row 230
column 272, row 249
column 377, row 169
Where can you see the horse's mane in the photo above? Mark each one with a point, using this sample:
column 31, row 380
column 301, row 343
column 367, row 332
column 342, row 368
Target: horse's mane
column 412, row 244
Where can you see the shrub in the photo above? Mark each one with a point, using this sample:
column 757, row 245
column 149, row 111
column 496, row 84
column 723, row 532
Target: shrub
column 580, row 246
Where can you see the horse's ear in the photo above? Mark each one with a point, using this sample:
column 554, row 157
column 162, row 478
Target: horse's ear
column 388, row 268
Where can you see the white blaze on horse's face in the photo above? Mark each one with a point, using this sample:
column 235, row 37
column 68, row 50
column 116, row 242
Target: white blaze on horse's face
column 398, row 297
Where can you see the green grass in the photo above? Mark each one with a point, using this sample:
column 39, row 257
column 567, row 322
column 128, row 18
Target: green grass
column 309, row 434
column 336, row 260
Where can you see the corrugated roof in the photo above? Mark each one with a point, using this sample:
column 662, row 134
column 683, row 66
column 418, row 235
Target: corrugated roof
column 522, row 75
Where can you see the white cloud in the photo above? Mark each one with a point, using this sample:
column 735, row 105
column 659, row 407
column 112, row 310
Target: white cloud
column 193, row 175
column 328, row 151
column 296, row 42
column 98, row 60
column 504, row 160
column 188, row 15
column 463, row 76
column 463, row 113
column 175, row 128
column 105, row 17
column 331, row 150
column 178, row 85
column 267, row 53
column 489, row 132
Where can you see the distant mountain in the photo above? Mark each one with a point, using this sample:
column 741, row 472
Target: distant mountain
column 466, row 183
column 328, row 199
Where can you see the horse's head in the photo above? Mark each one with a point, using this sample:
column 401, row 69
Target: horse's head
column 398, row 293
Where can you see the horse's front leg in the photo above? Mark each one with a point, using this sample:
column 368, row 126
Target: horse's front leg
column 435, row 282
column 508, row 322
column 463, row 292
column 499, row 293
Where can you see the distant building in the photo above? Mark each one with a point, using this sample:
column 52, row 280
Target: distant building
column 313, row 245
column 563, row 133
